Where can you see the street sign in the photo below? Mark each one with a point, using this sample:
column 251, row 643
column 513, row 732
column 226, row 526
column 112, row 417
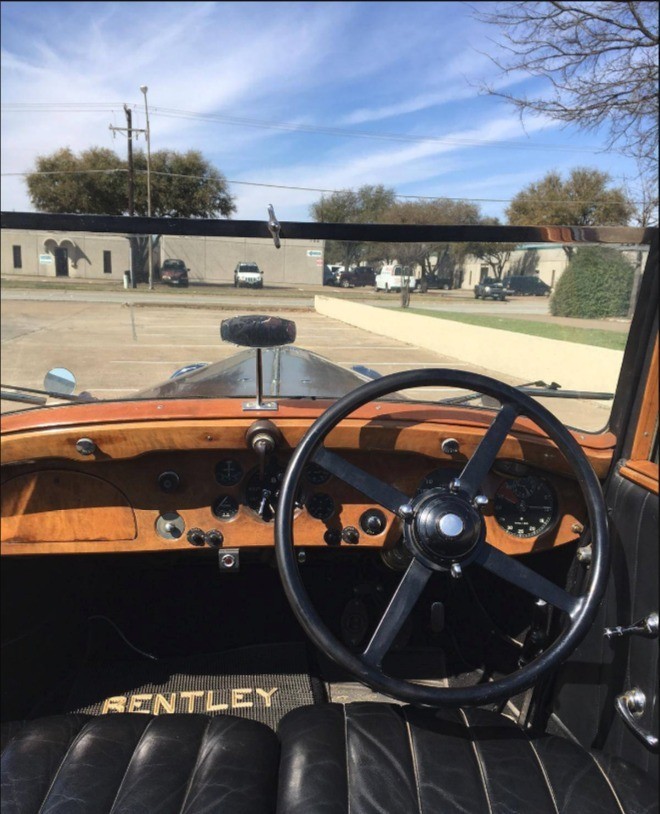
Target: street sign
column 45, row 258
column 314, row 253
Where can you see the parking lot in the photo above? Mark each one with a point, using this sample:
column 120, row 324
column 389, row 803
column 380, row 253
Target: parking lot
column 115, row 349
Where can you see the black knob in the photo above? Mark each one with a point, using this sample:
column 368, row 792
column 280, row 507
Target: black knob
column 373, row 522
column 214, row 538
column 332, row 537
column 195, row 537
column 350, row 535
column 169, row 481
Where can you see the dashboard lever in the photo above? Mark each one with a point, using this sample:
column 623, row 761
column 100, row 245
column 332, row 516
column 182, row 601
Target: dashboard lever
column 647, row 627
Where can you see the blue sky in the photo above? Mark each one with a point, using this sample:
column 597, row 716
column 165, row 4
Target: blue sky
column 399, row 80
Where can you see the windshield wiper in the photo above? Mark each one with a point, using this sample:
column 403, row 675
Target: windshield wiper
column 28, row 395
column 541, row 389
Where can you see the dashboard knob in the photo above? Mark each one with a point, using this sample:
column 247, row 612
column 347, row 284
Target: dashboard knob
column 215, row 538
column 169, row 481
column 350, row 535
column 196, row 537
column 373, row 522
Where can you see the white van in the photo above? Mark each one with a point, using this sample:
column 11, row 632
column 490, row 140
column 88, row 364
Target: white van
column 390, row 278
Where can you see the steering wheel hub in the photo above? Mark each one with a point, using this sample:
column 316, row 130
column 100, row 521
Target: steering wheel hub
column 444, row 529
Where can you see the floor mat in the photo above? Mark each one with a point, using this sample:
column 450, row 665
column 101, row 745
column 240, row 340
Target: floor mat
column 262, row 683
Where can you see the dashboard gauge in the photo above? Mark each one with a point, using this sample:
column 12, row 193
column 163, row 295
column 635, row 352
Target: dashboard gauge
column 316, row 474
column 438, row 479
column 321, row 506
column 225, row 507
column 525, row 507
column 228, row 472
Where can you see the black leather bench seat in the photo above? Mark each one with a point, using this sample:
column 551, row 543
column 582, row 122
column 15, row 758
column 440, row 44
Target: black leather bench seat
column 77, row 764
column 369, row 758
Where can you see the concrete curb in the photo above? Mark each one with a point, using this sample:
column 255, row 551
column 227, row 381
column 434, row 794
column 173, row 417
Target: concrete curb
column 574, row 366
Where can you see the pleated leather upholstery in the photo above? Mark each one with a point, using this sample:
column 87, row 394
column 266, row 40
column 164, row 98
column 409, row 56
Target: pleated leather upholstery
column 77, row 764
column 371, row 758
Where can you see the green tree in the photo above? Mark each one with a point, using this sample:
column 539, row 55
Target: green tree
column 583, row 199
column 596, row 284
column 364, row 205
column 95, row 182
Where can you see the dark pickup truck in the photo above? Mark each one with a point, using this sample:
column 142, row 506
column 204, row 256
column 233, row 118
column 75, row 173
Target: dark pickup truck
column 490, row 288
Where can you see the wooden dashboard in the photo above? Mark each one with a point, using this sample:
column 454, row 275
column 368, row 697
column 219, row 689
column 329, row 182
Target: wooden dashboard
column 56, row 500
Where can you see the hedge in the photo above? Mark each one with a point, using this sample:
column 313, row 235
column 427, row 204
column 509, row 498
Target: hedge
column 597, row 283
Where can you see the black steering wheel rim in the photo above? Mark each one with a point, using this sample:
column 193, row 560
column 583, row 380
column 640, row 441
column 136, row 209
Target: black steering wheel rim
column 582, row 612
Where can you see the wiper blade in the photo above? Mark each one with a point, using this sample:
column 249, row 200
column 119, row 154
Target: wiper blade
column 30, row 395
column 539, row 388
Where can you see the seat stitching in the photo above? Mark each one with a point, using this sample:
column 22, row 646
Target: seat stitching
column 59, row 768
column 413, row 755
column 130, row 760
column 196, row 766
column 479, row 760
column 348, row 785
column 608, row 781
column 545, row 774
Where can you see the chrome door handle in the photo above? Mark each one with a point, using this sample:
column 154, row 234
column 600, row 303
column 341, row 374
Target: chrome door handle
column 631, row 705
column 647, row 627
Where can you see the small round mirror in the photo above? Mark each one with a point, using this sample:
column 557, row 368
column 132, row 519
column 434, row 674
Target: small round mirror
column 60, row 380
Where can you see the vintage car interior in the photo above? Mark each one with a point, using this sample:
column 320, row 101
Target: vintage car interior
column 361, row 603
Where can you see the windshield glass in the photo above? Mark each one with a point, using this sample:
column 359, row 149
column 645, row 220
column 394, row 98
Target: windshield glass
column 89, row 309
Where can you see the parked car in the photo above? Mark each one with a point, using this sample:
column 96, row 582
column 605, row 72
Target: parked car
column 248, row 274
column 529, row 286
column 354, row 277
column 174, row 272
column 391, row 278
column 491, row 289
column 433, row 282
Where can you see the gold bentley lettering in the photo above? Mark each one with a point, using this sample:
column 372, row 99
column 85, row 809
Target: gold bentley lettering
column 171, row 703
column 168, row 706
column 210, row 706
column 266, row 695
column 237, row 697
column 190, row 696
column 135, row 702
column 115, row 704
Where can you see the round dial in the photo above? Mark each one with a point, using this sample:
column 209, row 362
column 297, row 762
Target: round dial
column 525, row 507
column 225, row 507
column 321, row 506
column 316, row 474
column 228, row 472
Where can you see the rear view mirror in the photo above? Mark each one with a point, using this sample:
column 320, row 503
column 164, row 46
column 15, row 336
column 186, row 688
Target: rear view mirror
column 60, row 380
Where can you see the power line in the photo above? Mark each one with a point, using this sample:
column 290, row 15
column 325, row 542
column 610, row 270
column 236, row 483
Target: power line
column 175, row 113
column 287, row 186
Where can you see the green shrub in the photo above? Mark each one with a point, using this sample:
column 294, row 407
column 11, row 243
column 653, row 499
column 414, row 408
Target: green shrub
column 597, row 283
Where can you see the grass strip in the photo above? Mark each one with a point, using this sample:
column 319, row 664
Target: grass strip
column 583, row 336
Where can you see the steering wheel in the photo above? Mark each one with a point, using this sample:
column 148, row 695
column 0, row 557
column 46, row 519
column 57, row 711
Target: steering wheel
column 443, row 531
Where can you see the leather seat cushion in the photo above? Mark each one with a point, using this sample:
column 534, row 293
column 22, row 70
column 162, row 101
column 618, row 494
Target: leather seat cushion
column 368, row 757
column 139, row 763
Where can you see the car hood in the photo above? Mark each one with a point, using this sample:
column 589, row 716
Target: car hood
column 288, row 372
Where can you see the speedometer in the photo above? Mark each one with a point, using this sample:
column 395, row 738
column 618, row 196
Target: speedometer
column 525, row 507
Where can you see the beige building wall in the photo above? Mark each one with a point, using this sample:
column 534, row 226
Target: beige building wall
column 210, row 259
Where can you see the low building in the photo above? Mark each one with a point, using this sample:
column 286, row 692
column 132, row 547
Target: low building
column 90, row 255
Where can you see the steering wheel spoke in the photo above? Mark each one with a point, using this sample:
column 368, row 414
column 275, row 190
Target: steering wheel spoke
column 480, row 463
column 514, row 572
column 384, row 494
column 400, row 606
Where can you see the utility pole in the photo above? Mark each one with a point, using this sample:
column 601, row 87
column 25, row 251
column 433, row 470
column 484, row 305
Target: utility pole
column 129, row 130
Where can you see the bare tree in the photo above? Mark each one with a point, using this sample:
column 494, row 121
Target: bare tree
column 601, row 59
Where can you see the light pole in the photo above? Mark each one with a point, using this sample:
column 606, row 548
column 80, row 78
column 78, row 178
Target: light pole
column 144, row 90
